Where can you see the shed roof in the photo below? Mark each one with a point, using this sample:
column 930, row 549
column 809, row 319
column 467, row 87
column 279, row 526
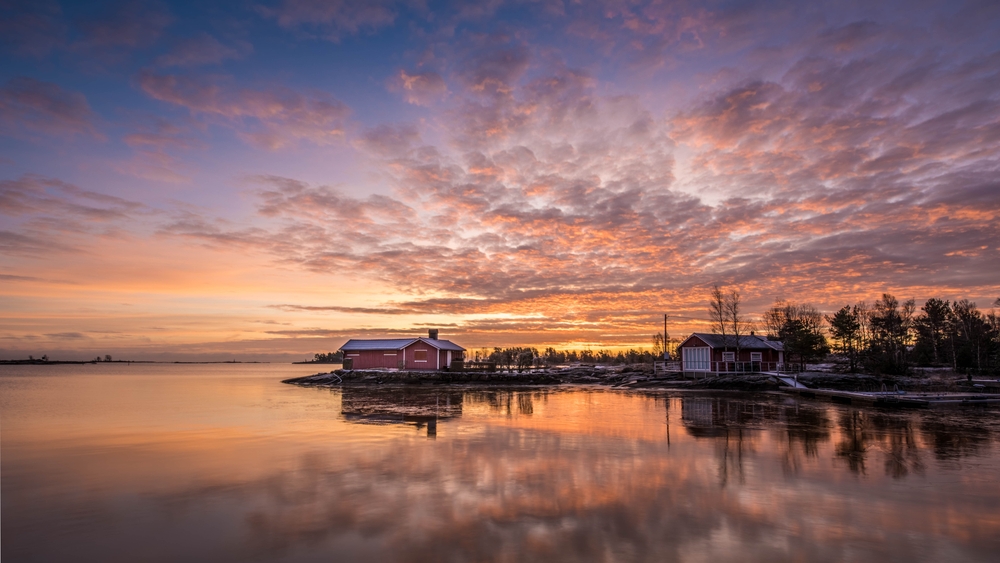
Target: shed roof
column 747, row 342
column 442, row 344
column 377, row 344
column 355, row 344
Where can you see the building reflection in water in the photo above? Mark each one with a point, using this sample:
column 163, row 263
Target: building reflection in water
column 417, row 406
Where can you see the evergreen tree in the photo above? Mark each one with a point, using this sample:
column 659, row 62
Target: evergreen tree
column 845, row 328
column 932, row 328
column 891, row 326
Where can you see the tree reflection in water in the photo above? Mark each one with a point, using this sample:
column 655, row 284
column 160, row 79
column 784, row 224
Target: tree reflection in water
column 514, row 474
column 506, row 401
column 853, row 445
column 806, row 426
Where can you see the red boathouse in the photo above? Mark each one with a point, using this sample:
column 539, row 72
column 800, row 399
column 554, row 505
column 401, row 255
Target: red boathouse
column 713, row 353
column 421, row 353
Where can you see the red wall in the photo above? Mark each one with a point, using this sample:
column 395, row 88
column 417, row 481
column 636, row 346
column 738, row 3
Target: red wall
column 765, row 355
column 411, row 363
column 442, row 357
column 367, row 359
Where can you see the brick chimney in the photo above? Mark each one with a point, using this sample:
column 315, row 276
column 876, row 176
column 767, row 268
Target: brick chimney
column 432, row 333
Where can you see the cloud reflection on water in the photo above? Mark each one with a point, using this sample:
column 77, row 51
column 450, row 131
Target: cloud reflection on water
column 520, row 475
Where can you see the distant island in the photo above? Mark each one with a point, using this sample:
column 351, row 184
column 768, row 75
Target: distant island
column 328, row 358
column 44, row 361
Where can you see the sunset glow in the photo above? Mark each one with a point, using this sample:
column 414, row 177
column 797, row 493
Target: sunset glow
column 263, row 180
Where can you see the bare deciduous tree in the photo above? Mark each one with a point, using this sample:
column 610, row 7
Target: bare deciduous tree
column 737, row 323
column 658, row 345
column 718, row 312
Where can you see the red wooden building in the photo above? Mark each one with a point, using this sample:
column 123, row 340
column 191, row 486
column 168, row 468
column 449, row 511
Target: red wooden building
column 714, row 353
column 421, row 353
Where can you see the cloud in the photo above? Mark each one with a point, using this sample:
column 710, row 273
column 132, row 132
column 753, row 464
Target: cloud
column 419, row 88
column 50, row 215
column 27, row 104
column 33, row 279
column 844, row 154
column 202, row 49
column 495, row 68
column 66, row 336
column 268, row 118
column 134, row 24
column 389, row 140
column 333, row 19
column 32, row 27
column 162, row 134
column 156, row 166
column 567, row 208
column 36, row 194
column 155, row 142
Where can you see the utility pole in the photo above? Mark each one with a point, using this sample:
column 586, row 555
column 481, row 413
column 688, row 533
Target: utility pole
column 666, row 354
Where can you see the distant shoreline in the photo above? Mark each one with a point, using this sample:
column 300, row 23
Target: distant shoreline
column 82, row 362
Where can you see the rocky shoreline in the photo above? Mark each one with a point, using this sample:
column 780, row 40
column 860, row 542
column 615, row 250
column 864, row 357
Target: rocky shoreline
column 635, row 377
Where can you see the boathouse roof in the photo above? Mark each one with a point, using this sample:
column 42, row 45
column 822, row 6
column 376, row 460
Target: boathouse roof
column 355, row 344
column 747, row 342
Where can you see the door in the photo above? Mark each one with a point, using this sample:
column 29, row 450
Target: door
column 696, row 358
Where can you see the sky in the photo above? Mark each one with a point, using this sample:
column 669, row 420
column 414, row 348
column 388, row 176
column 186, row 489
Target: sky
column 261, row 180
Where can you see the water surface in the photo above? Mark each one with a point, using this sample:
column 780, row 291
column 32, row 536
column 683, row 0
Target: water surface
column 224, row 463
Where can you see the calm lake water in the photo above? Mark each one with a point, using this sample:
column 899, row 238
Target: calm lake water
column 223, row 463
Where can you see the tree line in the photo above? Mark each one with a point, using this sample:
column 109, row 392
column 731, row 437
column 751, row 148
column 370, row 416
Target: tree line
column 522, row 358
column 886, row 337
column 889, row 336
column 329, row 358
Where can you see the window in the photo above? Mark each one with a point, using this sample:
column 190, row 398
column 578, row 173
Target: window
column 729, row 356
column 388, row 354
column 754, row 356
column 420, row 355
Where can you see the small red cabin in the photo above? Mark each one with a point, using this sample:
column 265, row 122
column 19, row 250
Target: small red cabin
column 717, row 354
column 429, row 353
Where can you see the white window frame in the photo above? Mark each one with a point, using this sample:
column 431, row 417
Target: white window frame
column 756, row 357
column 423, row 361
column 729, row 356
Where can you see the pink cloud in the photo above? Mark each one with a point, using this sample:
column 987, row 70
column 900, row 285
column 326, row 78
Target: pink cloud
column 268, row 118
column 47, row 216
column 419, row 88
column 133, row 23
column 32, row 27
column 389, row 140
column 203, row 49
column 27, row 104
column 155, row 165
column 333, row 18
column 555, row 200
